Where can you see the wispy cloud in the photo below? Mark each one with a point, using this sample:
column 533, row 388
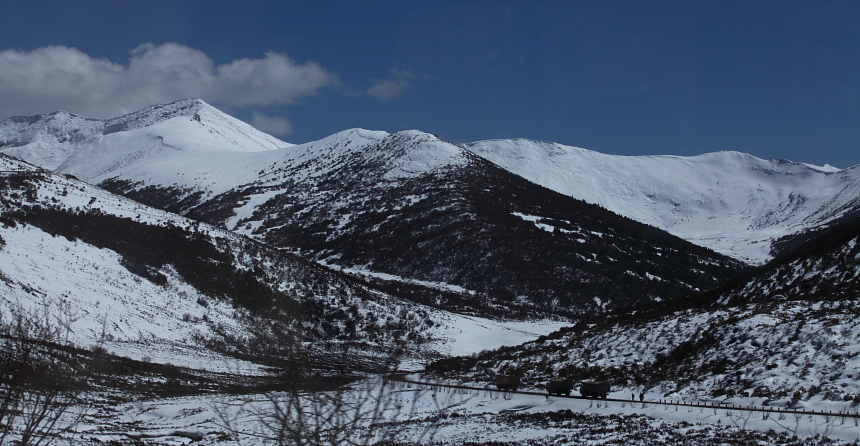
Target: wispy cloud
column 59, row 77
column 391, row 88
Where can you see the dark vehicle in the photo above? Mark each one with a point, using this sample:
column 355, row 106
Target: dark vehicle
column 508, row 382
column 559, row 386
column 594, row 389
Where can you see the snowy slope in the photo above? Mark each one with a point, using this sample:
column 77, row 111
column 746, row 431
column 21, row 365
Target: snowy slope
column 731, row 202
column 824, row 268
column 768, row 351
column 188, row 145
column 107, row 266
column 153, row 161
column 191, row 147
column 785, row 334
column 66, row 280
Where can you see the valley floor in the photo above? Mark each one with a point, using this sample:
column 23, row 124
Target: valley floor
column 421, row 414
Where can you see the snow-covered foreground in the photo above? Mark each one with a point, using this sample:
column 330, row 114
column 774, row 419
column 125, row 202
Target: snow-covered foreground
column 423, row 414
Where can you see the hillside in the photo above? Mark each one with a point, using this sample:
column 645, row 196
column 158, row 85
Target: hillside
column 731, row 202
column 785, row 335
column 144, row 282
column 823, row 268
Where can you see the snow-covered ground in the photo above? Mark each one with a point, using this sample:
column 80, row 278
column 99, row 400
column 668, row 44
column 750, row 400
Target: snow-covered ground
column 460, row 335
column 728, row 201
column 438, row 415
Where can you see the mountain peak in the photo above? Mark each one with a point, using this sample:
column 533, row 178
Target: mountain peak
column 62, row 140
column 159, row 113
column 357, row 132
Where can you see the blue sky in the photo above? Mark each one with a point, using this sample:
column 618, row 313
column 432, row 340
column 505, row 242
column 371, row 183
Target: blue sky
column 778, row 79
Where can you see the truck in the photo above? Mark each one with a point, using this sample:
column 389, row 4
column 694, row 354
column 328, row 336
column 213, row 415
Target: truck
column 508, row 382
column 559, row 387
column 594, row 389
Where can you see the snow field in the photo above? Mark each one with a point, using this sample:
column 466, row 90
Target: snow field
column 428, row 414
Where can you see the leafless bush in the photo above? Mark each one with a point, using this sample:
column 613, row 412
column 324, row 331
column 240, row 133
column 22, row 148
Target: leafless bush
column 353, row 400
column 312, row 407
column 37, row 377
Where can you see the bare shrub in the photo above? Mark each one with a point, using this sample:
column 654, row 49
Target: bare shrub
column 38, row 378
column 348, row 398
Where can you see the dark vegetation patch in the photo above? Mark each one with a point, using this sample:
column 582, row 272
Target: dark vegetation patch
column 146, row 249
column 170, row 199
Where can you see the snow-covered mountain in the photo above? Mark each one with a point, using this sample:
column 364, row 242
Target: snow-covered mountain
column 731, row 202
column 406, row 204
column 148, row 283
column 52, row 139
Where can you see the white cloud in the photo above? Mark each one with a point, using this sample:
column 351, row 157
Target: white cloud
column 59, row 77
column 273, row 125
column 388, row 89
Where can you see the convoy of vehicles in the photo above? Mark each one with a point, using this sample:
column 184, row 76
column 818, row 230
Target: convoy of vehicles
column 561, row 387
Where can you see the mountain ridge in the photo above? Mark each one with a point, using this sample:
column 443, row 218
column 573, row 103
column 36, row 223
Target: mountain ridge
column 50, row 140
column 412, row 205
column 729, row 201
column 392, row 202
